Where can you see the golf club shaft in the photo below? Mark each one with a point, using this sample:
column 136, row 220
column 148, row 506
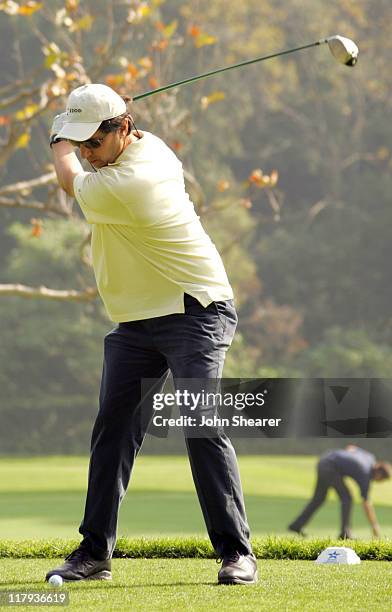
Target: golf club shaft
column 213, row 72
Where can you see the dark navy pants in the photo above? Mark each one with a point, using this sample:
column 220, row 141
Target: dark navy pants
column 328, row 476
column 192, row 345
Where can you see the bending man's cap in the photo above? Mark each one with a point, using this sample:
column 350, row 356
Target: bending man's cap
column 87, row 107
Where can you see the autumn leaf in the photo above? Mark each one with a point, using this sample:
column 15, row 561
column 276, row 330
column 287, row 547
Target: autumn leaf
column 28, row 112
column 216, row 96
column 132, row 70
column 51, row 49
column 144, row 10
column 114, row 80
column 51, row 56
column 223, row 185
column 204, row 39
column 274, row 178
column 201, row 38
column 145, row 62
column 245, row 203
column 176, row 145
column 58, row 70
column 72, row 5
column 141, row 12
column 194, row 31
column 4, row 120
column 9, row 7
column 382, row 153
column 29, row 8
column 153, row 81
column 36, row 229
column 57, row 88
column 54, row 55
column 71, row 76
column 258, row 178
column 169, row 30
column 160, row 45
column 23, row 141
column 84, row 23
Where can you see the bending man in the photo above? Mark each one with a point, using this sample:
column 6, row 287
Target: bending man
column 333, row 466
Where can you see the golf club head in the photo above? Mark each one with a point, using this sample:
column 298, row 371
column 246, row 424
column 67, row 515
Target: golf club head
column 343, row 49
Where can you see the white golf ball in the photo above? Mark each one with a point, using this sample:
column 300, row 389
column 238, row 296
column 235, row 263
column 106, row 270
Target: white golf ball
column 56, row 581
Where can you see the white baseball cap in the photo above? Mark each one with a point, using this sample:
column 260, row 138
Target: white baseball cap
column 87, row 107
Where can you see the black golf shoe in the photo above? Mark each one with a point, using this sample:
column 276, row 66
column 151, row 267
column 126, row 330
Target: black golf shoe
column 80, row 565
column 238, row 569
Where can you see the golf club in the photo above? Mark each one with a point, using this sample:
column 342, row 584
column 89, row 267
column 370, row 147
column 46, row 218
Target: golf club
column 343, row 49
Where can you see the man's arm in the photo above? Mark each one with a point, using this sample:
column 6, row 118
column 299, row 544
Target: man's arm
column 66, row 164
column 371, row 516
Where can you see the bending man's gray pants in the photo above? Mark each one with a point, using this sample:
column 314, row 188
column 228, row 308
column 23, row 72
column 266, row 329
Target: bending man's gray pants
column 327, row 476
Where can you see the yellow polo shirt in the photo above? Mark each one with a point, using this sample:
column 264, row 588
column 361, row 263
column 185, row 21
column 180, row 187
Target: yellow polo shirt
column 148, row 245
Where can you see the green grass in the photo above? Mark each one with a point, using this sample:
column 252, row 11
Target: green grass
column 190, row 584
column 43, row 497
column 271, row 547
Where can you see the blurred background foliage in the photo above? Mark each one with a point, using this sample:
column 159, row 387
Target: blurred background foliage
column 288, row 163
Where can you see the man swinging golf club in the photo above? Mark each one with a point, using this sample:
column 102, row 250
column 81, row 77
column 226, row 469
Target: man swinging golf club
column 163, row 283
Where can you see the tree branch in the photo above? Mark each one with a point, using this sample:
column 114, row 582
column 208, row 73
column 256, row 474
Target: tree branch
column 86, row 241
column 67, row 295
column 27, row 186
column 19, row 83
column 7, row 150
column 357, row 157
column 197, row 190
column 27, row 93
column 34, row 204
column 108, row 53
